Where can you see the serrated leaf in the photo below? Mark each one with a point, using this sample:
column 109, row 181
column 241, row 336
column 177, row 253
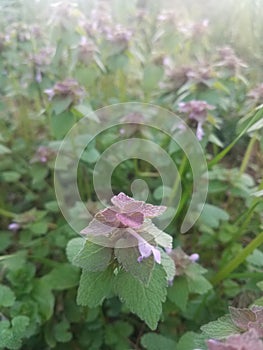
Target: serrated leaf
column 221, row 328
column 160, row 237
column 178, row 293
column 93, row 257
column 7, row 296
column 153, row 341
column 94, row 287
column 146, row 302
column 128, row 258
column 168, row 265
column 11, row 335
column 19, row 325
column 74, row 246
column 198, row 284
column 62, row 333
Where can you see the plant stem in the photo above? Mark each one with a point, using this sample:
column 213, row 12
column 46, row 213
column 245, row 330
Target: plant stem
column 222, row 154
column 239, row 259
column 177, row 180
column 248, row 154
column 7, row 214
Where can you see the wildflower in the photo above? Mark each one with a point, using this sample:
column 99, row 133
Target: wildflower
column 256, row 94
column 132, row 124
column 229, row 59
column 43, row 155
column 191, row 30
column 129, row 214
column 14, row 226
column 41, row 60
column 87, row 50
column 194, row 257
column 68, row 87
column 246, row 341
column 246, row 319
column 181, row 260
column 196, row 110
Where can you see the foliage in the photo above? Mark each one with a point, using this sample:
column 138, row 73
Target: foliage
column 59, row 63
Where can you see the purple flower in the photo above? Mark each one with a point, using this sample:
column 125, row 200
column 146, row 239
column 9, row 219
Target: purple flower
column 246, row 319
column 14, row 226
column 229, row 60
column 181, row 260
column 194, row 257
column 68, row 87
column 256, row 94
column 43, row 155
column 196, row 110
column 130, row 214
column 246, row 341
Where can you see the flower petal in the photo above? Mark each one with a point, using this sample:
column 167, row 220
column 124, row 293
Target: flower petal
column 151, row 211
column 134, row 220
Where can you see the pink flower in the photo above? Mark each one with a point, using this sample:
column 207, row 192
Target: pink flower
column 196, row 110
column 246, row 341
column 14, row 226
column 126, row 213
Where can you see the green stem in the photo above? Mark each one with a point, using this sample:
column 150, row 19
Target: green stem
column 177, row 180
column 239, row 259
column 222, row 154
column 7, row 214
column 247, row 154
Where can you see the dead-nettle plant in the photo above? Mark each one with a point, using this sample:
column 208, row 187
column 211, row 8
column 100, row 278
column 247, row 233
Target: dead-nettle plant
column 123, row 253
column 240, row 329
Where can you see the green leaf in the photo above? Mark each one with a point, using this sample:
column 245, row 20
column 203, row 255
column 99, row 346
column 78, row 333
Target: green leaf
column 151, row 76
column 94, row 287
column 160, row 237
column 221, row 328
column 4, row 150
column 128, row 258
column 10, row 176
column 13, row 262
column 86, row 111
column 39, row 228
column 168, row 265
column 19, row 325
column 11, row 335
column 196, row 282
column 188, row 341
column 256, row 258
column 7, row 296
column 60, row 104
column 90, row 156
column 178, row 293
column 62, row 277
column 117, row 333
column 61, row 332
column 61, row 124
column 146, row 302
column 45, row 299
column 211, row 215
column 93, row 257
column 153, row 341
column 74, row 246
